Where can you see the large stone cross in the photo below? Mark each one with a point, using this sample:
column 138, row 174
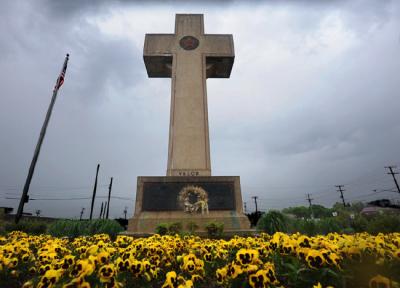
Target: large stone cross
column 189, row 57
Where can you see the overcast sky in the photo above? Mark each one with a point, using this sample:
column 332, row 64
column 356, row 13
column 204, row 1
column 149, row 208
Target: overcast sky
column 312, row 101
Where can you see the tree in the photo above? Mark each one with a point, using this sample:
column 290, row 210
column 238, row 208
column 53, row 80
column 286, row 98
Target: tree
column 357, row 206
column 300, row 211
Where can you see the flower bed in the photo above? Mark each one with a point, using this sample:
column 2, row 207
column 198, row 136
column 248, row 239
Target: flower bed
column 171, row 262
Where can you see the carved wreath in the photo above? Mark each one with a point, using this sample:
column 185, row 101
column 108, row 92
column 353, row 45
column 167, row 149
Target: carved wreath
column 202, row 199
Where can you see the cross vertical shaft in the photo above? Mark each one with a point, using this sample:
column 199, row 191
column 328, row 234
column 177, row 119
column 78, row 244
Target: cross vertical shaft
column 189, row 57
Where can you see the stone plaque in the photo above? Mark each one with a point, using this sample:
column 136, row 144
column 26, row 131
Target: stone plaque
column 164, row 196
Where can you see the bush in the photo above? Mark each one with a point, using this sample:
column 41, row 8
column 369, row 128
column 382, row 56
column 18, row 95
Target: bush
column 347, row 231
column 175, row 228
column 359, row 224
column 162, row 229
column 309, row 227
column 27, row 226
column 272, row 222
column 75, row 228
column 329, row 225
column 192, row 226
column 383, row 223
column 214, row 229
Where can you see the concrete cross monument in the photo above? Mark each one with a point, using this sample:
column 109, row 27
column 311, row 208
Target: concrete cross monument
column 188, row 57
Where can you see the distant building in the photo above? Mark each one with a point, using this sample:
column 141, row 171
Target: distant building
column 7, row 210
column 371, row 211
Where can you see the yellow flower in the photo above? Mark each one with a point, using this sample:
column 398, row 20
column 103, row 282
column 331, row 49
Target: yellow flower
column 196, row 278
column 12, row 263
column 208, row 257
column 190, row 266
column 318, row 286
column 379, row 281
column 221, row 273
column 43, row 269
column 32, row 271
column 232, row 270
column 77, row 283
column 258, row 280
column 189, row 284
column 354, row 254
column 103, row 258
column 14, row 273
column 246, row 257
column 81, row 268
column 270, row 274
column 136, row 267
column 25, row 258
column 302, row 252
column 397, row 254
column 106, row 272
column 123, row 265
column 28, row 285
column 49, row 279
column 287, row 249
column 172, row 280
column 336, row 260
column 315, row 259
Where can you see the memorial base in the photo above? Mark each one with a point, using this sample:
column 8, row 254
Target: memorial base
column 156, row 203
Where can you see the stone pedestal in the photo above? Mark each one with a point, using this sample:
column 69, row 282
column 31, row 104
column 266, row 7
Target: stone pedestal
column 156, row 202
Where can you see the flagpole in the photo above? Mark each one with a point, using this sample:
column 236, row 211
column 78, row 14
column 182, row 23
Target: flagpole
column 24, row 198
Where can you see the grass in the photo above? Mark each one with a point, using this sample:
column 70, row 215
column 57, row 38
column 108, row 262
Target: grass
column 75, row 228
column 272, row 222
column 28, row 226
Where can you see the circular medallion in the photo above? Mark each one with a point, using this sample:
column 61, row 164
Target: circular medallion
column 189, row 43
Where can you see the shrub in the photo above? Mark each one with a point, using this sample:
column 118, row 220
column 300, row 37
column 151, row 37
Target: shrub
column 329, row 225
column 75, row 228
column 27, row 226
column 359, row 224
column 175, row 228
column 214, row 229
column 383, row 223
column 192, row 226
column 309, row 227
column 162, row 229
column 272, row 222
column 347, row 231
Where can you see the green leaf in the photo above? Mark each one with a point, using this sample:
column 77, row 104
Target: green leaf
column 302, row 269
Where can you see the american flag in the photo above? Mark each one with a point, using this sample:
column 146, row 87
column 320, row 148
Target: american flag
column 61, row 78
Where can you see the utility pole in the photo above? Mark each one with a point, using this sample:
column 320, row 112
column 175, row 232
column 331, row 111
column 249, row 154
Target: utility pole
column 109, row 194
column 104, row 212
column 245, row 210
column 94, row 192
column 125, row 211
column 394, row 178
column 341, row 192
column 309, row 201
column 25, row 197
column 255, row 200
column 81, row 213
column 101, row 210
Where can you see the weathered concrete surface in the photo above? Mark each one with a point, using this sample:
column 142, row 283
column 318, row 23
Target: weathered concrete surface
column 145, row 221
column 189, row 144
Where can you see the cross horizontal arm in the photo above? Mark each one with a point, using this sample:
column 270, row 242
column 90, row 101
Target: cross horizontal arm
column 157, row 54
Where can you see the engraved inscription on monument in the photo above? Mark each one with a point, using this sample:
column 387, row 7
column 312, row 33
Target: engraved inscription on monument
column 160, row 196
